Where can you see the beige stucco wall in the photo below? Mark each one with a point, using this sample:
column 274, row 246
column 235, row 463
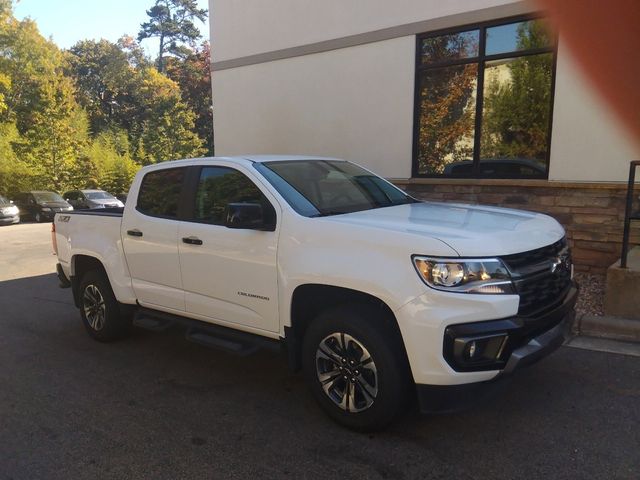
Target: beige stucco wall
column 245, row 27
column 357, row 102
column 587, row 142
column 354, row 103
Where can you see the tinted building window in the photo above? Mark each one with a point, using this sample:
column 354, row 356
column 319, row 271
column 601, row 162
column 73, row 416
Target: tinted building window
column 220, row 186
column 160, row 192
column 483, row 101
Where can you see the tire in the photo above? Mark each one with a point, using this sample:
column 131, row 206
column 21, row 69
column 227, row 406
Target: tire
column 37, row 217
column 99, row 309
column 364, row 396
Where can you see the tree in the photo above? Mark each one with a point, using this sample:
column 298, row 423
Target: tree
column 171, row 21
column 134, row 52
column 194, row 77
column 447, row 105
column 52, row 129
column 110, row 161
column 168, row 126
column 103, row 76
column 518, row 101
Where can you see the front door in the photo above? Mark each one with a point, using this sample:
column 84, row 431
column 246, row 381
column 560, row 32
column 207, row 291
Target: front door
column 229, row 275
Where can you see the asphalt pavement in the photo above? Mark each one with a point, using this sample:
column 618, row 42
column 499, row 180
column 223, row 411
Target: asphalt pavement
column 156, row 406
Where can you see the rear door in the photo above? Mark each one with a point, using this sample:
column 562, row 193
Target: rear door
column 150, row 239
column 229, row 275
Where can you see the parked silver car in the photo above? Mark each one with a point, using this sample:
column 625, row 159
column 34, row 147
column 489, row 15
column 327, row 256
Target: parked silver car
column 91, row 199
column 8, row 212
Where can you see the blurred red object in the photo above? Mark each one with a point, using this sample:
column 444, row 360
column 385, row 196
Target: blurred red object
column 604, row 37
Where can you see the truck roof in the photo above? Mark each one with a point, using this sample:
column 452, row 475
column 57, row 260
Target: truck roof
column 242, row 159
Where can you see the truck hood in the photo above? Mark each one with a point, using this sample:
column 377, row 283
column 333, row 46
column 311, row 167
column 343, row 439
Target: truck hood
column 471, row 230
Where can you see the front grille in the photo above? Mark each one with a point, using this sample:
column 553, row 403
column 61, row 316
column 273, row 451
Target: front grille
column 542, row 277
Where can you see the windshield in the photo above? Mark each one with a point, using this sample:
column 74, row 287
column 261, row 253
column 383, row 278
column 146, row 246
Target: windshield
column 330, row 187
column 43, row 197
column 3, row 199
column 99, row 196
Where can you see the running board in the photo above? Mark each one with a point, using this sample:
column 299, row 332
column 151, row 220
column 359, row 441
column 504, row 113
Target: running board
column 206, row 334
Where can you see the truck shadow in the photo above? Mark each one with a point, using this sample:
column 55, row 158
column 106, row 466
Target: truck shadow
column 159, row 389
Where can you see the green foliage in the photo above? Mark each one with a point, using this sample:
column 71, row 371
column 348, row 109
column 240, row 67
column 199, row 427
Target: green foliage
column 110, row 162
column 103, row 76
column 171, row 21
column 89, row 117
column 194, row 77
column 15, row 175
column 518, row 101
column 167, row 129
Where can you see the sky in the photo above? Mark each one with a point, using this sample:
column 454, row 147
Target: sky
column 68, row 21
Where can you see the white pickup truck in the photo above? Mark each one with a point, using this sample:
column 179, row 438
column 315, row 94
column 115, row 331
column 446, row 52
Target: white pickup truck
column 376, row 296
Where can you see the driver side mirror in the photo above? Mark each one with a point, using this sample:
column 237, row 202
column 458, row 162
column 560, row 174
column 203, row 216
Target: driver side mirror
column 248, row 216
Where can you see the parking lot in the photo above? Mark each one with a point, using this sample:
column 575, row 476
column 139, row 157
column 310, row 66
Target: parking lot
column 157, row 406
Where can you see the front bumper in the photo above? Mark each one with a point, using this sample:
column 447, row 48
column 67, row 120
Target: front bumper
column 8, row 220
column 536, row 338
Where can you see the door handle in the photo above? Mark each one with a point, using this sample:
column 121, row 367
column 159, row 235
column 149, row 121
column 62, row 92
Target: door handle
column 192, row 240
column 134, row 233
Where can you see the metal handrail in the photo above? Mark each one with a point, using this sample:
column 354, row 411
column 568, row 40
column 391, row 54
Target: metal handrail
column 628, row 215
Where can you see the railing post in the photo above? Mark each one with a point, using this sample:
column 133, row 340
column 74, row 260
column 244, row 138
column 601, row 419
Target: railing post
column 627, row 213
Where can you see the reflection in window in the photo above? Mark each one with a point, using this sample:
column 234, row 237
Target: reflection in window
column 160, row 192
column 450, row 47
column 220, row 186
column 514, row 37
column 447, row 97
column 515, row 118
column 503, row 130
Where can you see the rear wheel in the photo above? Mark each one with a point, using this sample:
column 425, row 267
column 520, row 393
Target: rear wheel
column 356, row 366
column 99, row 309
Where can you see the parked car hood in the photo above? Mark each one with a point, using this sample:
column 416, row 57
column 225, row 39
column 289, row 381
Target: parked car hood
column 471, row 230
column 105, row 201
column 54, row 204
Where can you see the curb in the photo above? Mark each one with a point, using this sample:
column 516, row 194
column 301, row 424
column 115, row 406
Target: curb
column 614, row 328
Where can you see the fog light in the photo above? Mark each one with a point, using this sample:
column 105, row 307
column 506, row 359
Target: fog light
column 484, row 350
column 472, row 350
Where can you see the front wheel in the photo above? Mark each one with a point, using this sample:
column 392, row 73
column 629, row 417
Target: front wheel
column 355, row 364
column 99, row 309
column 38, row 217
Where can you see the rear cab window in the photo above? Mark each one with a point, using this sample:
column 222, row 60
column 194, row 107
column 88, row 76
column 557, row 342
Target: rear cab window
column 160, row 192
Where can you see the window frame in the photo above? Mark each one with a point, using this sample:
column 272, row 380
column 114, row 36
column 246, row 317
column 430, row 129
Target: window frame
column 481, row 59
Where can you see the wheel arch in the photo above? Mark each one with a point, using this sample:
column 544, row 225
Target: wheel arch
column 309, row 300
column 81, row 264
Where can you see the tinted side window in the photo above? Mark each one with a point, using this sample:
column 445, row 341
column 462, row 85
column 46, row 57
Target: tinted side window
column 219, row 186
column 160, row 192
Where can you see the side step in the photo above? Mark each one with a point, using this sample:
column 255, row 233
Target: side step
column 206, row 334
column 232, row 346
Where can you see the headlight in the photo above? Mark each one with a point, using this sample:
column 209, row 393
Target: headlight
column 13, row 210
column 474, row 275
column 67, row 209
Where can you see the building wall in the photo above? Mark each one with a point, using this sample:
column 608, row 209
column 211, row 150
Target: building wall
column 354, row 103
column 245, row 27
column 357, row 102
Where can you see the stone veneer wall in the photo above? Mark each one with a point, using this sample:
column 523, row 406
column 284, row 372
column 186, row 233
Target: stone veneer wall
column 591, row 213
